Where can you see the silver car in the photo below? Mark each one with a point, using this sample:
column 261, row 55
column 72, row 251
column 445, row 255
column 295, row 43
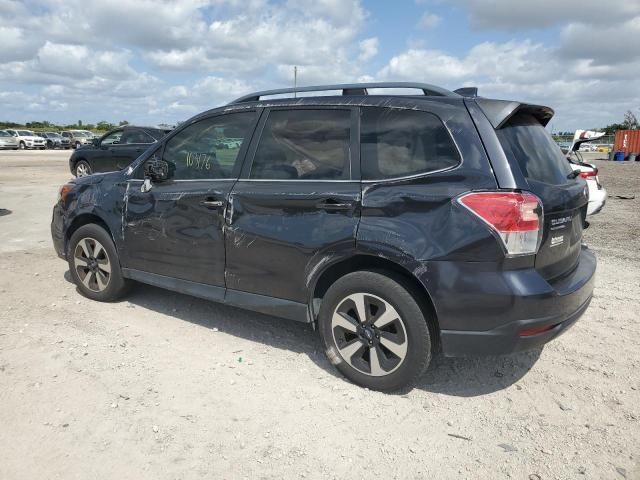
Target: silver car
column 7, row 141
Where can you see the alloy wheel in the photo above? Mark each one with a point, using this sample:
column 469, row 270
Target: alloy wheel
column 92, row 264
column 370, row 334
column 82, row 170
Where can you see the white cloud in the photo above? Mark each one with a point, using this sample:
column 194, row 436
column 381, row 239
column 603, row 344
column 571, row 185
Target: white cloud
column 519, row 15
column 163, row 60
column 429, row 20
column 583, row 93
column 368, row 49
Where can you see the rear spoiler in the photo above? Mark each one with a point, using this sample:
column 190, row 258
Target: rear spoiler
column 500, row 111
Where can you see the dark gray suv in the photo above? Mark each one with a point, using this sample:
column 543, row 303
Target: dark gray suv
column 397, row 225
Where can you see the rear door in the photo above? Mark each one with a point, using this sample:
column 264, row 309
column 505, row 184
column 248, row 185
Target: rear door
column 526, row 142
column 296, row 202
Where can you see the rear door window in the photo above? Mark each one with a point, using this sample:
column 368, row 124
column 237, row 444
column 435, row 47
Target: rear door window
column 399, row 143
column 524, row 139
column 302, row 144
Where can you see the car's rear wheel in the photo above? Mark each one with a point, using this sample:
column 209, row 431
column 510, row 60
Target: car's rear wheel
column 374, row 331
column 77, row 144
column 94, row 264
column 83, row 169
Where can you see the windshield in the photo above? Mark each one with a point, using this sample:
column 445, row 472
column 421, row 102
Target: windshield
column 4, row 134
column 524, row 139
column 25, row 133
column 76, row 133
column 53, row 135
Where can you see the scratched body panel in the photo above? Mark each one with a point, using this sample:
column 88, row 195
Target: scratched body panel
column 277, row 232
column 167, row 231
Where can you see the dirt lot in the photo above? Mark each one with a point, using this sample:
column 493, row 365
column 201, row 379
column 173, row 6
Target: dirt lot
column 165, row 386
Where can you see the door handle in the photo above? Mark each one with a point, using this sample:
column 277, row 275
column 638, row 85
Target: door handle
column 333, row 204
column 212, row 204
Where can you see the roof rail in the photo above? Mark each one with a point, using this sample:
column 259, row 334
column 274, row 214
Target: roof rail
column 350, row 89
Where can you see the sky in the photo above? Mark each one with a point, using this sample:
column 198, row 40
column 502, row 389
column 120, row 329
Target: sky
column 156, row 61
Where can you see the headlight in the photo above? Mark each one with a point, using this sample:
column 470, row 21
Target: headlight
column 63, row 192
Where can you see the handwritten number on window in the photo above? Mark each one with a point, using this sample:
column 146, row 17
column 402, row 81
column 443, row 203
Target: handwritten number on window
column 198, row 161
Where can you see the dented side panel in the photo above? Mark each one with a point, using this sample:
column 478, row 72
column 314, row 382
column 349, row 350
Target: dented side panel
column 416, row 217
column 279, row 231
column 170, row 231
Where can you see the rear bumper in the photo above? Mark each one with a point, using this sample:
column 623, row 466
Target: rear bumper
column 489, row 315
column 597, row 200
column 507, row 339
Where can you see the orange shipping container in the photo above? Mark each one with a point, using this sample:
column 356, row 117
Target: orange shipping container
column 627, row 141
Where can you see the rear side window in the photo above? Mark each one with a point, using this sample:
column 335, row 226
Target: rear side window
column 524, row 139
column 304, row 145
column 399, row 143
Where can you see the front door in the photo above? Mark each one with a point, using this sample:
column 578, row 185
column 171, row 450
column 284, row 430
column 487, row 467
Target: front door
column 296, row 202
column 132, row 144
column 176, row 228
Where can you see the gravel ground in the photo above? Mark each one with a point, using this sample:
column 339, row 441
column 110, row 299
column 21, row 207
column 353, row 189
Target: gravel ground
column 165, row 386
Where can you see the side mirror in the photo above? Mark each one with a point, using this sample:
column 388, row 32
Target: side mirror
column 158, row 170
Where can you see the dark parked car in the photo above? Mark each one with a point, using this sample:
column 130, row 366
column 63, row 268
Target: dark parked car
column 114, row 150
column 398, row 225
column 55, row 140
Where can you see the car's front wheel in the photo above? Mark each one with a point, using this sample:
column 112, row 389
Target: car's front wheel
column 82, row 169
column 94, row 264
column 374, row 331
column 22, row 146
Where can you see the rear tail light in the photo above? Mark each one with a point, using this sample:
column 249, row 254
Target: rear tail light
column 515, row 217
column 589, row 175
column 531, row 332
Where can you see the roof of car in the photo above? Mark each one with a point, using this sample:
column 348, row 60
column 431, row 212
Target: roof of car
column 498, row 112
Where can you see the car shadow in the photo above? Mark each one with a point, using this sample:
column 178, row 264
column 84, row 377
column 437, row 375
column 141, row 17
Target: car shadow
column 461, row 377
column 475, row 376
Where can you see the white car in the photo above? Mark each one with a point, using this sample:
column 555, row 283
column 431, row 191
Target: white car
column 7, row 141
column 597, row 193
column 28, row 139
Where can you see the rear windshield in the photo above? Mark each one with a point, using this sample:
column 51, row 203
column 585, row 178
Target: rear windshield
column 524, row 139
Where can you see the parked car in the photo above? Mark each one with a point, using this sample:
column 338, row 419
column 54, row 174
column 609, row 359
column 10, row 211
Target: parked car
column 27, row 139
column 89, row 134
column 7, row 141
column 114, row 150
column 582, row 143
column 55, row 140
column 398, row 225
column 77, row 138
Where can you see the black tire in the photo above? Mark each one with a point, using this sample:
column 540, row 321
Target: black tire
column 411, row 316
column 78, row 168
column 22, row 145
column 77, row 144
column 115, row 284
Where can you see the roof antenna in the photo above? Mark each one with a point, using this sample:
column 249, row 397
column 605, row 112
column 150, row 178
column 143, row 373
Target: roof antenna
column 295, row 81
